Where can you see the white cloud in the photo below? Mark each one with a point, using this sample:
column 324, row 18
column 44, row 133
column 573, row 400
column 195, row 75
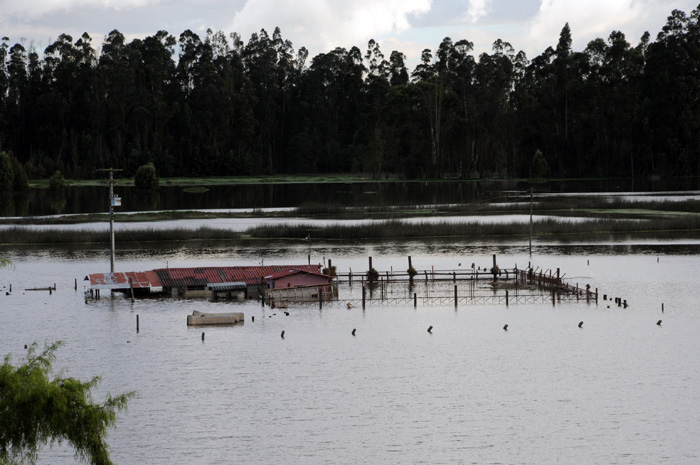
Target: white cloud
column 322, row 25
column 36, row 8
column 591, row 19
column 477, row 9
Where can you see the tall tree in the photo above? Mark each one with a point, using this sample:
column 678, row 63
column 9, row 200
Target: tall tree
column 671, row 80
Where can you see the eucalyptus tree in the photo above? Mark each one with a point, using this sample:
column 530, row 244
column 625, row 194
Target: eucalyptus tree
column 671, row 78
column 374, row 129
column 428, row 82
column 494, row 80
column 197, row 86
column 15, row 107
column 290, row 68
column 456, row 68
column 397, row 69
column 116, row 78
column 267, row 62
column 67, row 74
column 409, row 138
column 331, row 109
column 4, row 84
column 155, row 99
column 623, row 70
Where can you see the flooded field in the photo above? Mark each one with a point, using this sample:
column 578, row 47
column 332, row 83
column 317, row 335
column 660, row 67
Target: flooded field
column 619, row 390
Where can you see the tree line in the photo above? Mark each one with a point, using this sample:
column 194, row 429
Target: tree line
column 216, row 105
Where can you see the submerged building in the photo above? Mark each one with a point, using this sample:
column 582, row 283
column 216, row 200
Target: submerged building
column 211, row 282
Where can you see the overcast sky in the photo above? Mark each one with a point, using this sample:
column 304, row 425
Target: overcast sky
column 408, row 26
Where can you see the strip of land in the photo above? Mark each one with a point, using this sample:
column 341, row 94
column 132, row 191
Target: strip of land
column 687, row 226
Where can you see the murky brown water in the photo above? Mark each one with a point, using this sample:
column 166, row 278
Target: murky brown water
column 620, row 390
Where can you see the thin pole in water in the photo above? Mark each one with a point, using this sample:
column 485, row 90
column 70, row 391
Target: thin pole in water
column 530, row 221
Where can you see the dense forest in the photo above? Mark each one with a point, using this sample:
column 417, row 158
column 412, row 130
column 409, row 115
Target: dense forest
column 215, row 105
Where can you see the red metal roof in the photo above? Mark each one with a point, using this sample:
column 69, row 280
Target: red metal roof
column 120, row 280
column 201, row 276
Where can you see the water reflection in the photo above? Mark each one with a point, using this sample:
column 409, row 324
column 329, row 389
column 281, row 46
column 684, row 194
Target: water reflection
column 38, row 202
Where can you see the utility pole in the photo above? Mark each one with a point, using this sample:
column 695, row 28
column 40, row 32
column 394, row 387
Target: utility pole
column 531, row 221
column 113, row 202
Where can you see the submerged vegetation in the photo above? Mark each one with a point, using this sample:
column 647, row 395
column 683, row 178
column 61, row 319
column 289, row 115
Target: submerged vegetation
column 380, row 230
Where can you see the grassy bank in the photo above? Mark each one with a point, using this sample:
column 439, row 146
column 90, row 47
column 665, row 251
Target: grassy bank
column 230, row 180
column 386, row 230
column 52, row 236
column 286, row 179
column 403, row 230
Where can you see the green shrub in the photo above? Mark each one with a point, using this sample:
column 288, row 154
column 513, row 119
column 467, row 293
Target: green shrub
column 330, row 271
column 538, row 165
column 372, row 275
column 146, row 178
column 57, row 182
column 38, row 407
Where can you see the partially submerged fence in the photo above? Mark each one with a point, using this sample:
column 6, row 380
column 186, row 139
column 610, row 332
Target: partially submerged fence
column 469, row 287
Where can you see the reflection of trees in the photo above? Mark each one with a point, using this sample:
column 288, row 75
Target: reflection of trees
column 7, row 205
column 22, row 204
column 152, row 199
column 58, row 202
column 14, row 205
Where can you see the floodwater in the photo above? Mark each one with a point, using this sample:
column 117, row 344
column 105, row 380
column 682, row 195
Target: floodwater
column 619, row 390
column 41, row 202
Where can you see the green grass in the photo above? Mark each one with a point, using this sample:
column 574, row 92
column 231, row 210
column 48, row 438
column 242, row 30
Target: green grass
column 280, row 179
column 195, row 190
column 226, row 180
